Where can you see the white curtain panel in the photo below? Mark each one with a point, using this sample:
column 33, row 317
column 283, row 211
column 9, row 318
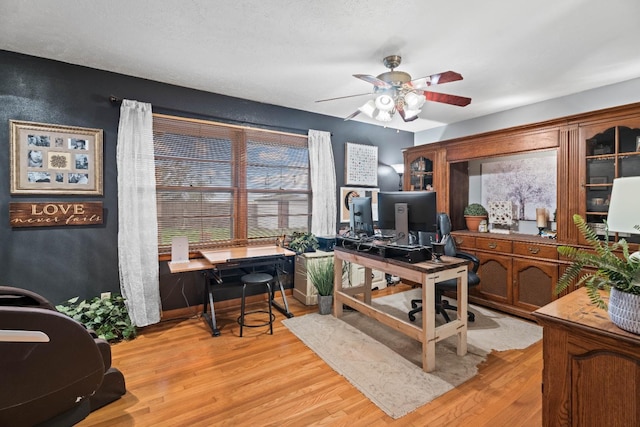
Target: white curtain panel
column 323, row 184
column 137, row 215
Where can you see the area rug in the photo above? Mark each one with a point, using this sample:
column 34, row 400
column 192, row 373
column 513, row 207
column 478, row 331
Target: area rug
column 385, row 365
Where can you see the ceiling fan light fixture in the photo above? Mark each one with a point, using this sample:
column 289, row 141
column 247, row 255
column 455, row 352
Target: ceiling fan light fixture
column 414, row 101
column 369, row 108
column 384, row 103
column 383, row 116
column 411, row 114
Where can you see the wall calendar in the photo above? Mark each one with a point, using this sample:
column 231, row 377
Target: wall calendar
column 361, row 164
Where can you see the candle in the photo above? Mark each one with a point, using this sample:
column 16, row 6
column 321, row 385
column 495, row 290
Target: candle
column 541, row 217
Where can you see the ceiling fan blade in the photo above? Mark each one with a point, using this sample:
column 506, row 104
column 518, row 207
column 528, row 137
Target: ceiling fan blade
column 380, row 84
column 460, row 101
column 352, row 115
column 435, row 79
column 343, row 97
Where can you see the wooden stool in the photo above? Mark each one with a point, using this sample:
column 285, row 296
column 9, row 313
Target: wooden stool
column 256, row 279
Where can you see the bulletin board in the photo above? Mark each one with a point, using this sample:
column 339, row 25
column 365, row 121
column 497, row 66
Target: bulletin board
column 361, row 164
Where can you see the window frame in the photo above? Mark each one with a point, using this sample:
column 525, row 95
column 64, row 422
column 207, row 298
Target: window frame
column 239, row 137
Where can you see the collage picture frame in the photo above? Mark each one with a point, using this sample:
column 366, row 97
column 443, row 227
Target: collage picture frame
column 55, row 159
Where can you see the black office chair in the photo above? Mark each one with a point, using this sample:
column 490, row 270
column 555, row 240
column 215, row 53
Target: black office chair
column 444, row 228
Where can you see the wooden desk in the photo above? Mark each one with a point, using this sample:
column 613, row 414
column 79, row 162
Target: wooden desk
column 591, row 374
column 427, row 273
column 214, row 261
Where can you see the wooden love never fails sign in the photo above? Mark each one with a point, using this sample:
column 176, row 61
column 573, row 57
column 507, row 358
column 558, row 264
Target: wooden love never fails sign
column 49, row 214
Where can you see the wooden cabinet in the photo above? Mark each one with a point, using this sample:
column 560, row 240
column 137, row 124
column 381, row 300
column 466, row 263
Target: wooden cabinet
column 517, row 273
column 610, row 150
column 591, row 373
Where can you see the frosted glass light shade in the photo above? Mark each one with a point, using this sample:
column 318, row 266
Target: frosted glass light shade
column 369, row 108
column 384, row 103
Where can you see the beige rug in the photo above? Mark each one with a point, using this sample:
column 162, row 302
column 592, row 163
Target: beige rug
column 385, row 365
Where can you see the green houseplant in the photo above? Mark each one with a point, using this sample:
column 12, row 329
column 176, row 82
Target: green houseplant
column 616, row 271
column 107, row 317
column 474, row 214
column 302, row 242
column 321, row 275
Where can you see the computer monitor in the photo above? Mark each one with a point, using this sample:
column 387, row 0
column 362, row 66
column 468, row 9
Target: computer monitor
column 402, row 212
column 361, row 216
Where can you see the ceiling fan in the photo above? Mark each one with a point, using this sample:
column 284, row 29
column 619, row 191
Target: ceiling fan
column 395, row 91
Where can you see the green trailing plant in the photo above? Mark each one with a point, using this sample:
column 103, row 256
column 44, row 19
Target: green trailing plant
column 620, row 270
column 321, row 275
column 475, row 209
column 301, row 241
column 107, row 317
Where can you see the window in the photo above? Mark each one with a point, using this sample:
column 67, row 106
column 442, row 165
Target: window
column 228, row 185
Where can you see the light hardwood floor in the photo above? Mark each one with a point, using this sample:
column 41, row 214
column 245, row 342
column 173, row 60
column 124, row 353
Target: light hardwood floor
column 177, row 374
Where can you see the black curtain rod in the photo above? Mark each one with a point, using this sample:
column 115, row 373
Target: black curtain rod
column 118, row 101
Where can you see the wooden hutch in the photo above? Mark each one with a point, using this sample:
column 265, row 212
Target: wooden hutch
column 518, row 271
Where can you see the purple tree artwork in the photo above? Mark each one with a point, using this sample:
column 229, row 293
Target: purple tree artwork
column 528, row 183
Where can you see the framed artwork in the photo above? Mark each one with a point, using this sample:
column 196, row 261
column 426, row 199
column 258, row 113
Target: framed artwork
column 347, row 193
column 55, row 159
column 361, row 164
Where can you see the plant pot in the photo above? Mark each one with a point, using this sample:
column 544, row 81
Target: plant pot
column 624, row 310
column 324, row 304
column 473, row 222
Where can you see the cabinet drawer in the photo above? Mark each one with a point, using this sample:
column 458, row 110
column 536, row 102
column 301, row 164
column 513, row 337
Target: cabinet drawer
column 535, row 249
column 465, row 242
column 493, row 245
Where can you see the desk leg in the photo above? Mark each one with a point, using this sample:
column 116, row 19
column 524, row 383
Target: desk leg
column 337, row 284
column 463, row 297
column 208, row 301
column 429, row 323
column 284, row 310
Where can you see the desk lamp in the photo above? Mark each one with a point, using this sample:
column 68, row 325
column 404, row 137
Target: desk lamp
column 624, row 207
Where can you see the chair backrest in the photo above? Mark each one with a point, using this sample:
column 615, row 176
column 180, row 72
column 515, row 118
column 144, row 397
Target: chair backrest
column 444, row 227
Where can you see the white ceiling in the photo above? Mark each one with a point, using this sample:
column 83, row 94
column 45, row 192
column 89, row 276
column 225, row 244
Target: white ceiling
column 294, row 52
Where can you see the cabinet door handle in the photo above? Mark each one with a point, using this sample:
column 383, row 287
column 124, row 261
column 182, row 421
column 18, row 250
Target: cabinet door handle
column 459, row 242
column 534, row 250
column 493, row 245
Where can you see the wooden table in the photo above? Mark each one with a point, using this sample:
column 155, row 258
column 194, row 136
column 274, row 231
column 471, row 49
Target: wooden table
column 591, row 373
column 427, row 273
column 214, row 261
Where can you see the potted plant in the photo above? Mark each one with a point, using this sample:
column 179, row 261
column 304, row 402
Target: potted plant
column 474, row 214
column 617, row 272
column 107, row 317
column 302, row 242
column 321, row 275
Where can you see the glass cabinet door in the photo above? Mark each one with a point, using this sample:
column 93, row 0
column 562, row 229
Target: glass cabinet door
column 421, row 174
column 610, row 154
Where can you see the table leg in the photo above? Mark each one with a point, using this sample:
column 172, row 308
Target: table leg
column 429, row 323
column 284, row 310
column 337, row 284
column 208, row 301
column 463, row 290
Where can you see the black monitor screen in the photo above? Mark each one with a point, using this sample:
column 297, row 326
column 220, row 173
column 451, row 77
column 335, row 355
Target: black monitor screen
column 361, row 216
column 421, row 206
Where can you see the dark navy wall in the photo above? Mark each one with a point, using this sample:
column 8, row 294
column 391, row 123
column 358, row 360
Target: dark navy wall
column 63, row 262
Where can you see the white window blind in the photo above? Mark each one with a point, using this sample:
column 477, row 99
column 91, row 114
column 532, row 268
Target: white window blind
column 228, row 185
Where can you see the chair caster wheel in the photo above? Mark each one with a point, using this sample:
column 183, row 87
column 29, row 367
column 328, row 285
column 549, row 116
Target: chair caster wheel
column 471, row 317
column 412, row 317
column 414, row 304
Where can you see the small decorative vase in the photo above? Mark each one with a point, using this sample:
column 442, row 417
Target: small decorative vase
column 324, row 304
column 624, row 310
